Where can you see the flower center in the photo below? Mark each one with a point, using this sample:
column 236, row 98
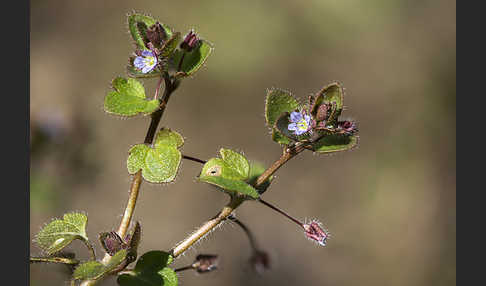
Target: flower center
column 150, row 61
column 302, row 125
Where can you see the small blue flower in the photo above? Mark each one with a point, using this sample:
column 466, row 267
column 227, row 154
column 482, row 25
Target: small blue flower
column 301, row 123
column 147, row 62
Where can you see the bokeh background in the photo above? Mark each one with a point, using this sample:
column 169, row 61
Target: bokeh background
column 389, row 204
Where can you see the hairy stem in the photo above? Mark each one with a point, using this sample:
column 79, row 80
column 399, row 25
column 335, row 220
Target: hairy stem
column 235, row 202
column 207, row 227
column 170, row 87
column 62, row 260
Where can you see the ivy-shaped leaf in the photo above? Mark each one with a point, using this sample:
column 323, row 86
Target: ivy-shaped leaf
column 138, row 25
column 61, row 232
column 128, row 99
column 193, row 60
column 93, row 270
column 160, row 163
column 230, row 172
column 278, row 101
column 151, row 270
column 335, row 143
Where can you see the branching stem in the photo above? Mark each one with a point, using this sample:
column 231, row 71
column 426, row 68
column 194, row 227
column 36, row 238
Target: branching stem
column 235, row 202
column 62, row 260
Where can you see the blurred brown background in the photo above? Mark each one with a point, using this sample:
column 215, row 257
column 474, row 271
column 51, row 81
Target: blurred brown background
column 389, row 204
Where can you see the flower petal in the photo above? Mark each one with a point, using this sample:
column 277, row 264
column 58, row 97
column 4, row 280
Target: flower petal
column 292, row 126
column 147, row 53
column 147, row 69
column 139, row 62
column 295, row 116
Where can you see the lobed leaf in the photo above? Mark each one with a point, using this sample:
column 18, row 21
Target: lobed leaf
column 151, row 270
column 61, row 232
column 230, row 173
column 93, row 270
column 128, row 99
column 160, row 163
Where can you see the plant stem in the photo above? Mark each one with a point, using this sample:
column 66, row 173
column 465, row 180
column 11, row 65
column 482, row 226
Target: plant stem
column 193, row 159
column 288, row 154
column 180, row 62
column 91, row 249
column 251, row 238
column 170, row 87
column 54, row 260
column 184, row 268
column 281, row 212
column 137, row 178
column 207, row 227
column 235, row 202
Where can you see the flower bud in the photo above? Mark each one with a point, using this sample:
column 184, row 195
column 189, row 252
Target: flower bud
column 347, row 127
column 156, row 35
column 321, row 114
column 111, row 242
column 190, row 41
column 260, row 261
column 315, row 232
column 205, row 263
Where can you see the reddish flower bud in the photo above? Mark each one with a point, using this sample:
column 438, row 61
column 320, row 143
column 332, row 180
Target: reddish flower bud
column 205, row 263
column 156, row 35
column 260, row 261
column 315, row 232
column 111, row 242
column 321, row 114
column 347, row 127
column 189, row 42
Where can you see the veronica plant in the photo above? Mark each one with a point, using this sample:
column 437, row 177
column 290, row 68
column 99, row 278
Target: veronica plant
column 165, row 55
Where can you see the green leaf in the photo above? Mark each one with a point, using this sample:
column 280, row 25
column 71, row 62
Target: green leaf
column 230, row 172
column 138, row 25
column 151, row 270
column 193, row 60
column 331, row 94
column 256, row 169
column 278, row 101
column 93, row 270
column 335, row 143
column 61, row 232
column 170, row 45
column 279, row 138
column 160, row 163
column 128, row 99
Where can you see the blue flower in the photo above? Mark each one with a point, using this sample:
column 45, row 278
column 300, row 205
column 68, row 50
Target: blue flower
column 301, row 123
column 146, row 62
